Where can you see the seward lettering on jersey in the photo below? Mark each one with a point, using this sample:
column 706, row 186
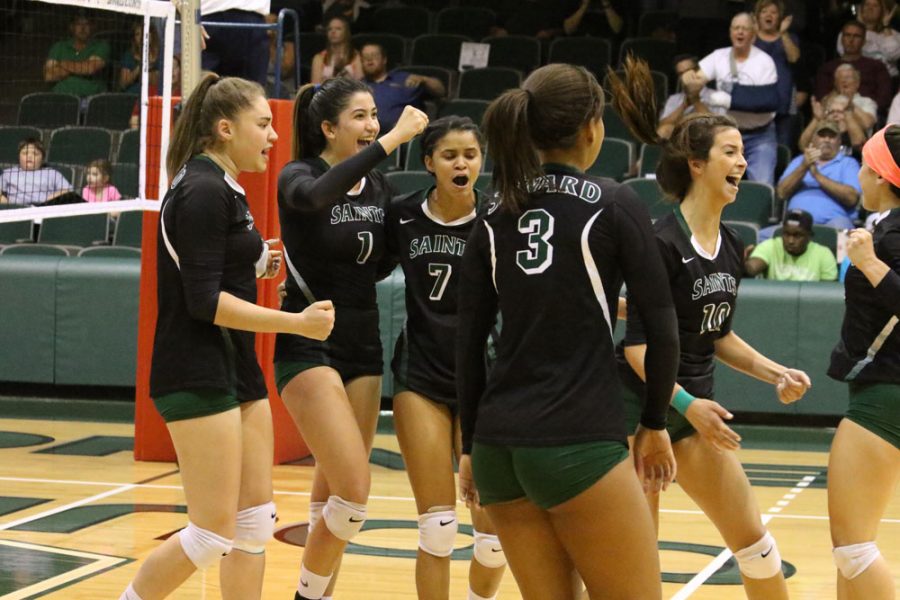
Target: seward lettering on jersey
column 712, row 283
column 437, row 244
column 345, row 213
column 566, row 184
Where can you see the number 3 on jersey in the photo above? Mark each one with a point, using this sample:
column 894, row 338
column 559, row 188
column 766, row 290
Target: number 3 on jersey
column 538, row 224
column 714, row 316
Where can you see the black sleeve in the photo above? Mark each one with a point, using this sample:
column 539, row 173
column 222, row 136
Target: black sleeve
column 477, row 309
column 390, row 260
column 635, row 335
column 202, row 219
column 888, row 289
column 647, row 281
column 301, row 190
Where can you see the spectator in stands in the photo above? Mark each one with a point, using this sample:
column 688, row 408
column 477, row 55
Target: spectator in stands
column 692, row 96
column 853, row 112
column 793, row 256
column 874, row 80
column 882, row 41
column 603, row 18
column 31, row 182
column 702, row 25
column 78, row 65
column 99, row 188
column 543, row 19
column 135, row 119
column 746, row 83
column 822, row 181
column 393, row 91
column 774, row 39
column 235, row 51
column 339, row 57
column 132, row 61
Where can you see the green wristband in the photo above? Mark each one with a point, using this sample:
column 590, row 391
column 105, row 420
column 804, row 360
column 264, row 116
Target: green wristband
column 682, row 400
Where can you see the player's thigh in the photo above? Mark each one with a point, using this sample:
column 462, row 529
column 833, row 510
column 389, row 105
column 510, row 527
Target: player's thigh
column 258, row 444
column 364, row 394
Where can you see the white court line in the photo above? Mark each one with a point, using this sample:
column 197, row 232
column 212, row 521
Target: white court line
column 65, row 507
column 700, row 578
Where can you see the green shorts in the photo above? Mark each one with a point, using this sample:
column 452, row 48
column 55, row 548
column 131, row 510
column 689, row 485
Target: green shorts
column 677, row 424
column 876, row 407
column 288, row 369
column 546, row 475
column 190, row 404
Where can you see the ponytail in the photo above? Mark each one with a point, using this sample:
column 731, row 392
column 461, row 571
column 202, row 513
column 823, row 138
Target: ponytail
column 306, row 140
column 187, row 132
column 509, row 137
column 317, row 104
column 635, row 99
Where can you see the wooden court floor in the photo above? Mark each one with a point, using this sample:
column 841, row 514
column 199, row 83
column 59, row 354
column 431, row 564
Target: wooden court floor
column 77, row 513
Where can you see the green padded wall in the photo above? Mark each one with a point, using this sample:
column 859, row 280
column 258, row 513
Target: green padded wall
column 96, row 321
column 27, row 328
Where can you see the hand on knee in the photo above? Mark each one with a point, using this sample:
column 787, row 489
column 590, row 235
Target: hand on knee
column 760, row 560
column 255, row 527
column 343, row 518
column 437, row 531
column 203, row 547
column 488, row 551
column 852, row 560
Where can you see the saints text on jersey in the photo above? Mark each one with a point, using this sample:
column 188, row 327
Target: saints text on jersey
column 712, row 283
column 343, row 213
column 437, row 244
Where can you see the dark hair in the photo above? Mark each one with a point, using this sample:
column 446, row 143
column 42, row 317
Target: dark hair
column 547, row 112
column 102, row 165
column 892, row 138
column 214, row 98
column 686, row 56
column 856, row 23
column 439, row 128
column 30, row 141
column 635, row 101
column 347, row 44
column 761, row 4
column 316, row 104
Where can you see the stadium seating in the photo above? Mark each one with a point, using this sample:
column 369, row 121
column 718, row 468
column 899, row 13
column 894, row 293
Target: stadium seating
column 650, row 194
column 649, row 159
column 405, row 182
column 128, row 229
column 110, row 252
column 48, row 110
column 652, row 21
column 15, row 232
column 393, row 44
column 35, row 250
column 437, row 50
column 446, row 76
column 125, row 177
column 474, row 109
column 79, row 145
column 488, row 83
column 519, row 52
column 470, row 21
column 658, row 53
column 81, row 230
column 406, row 21
column 753, row 204
column 748, row 232
column 589, row 52
column 616, row 128
column 614, row 160
column 110, row 111
column 129, row 147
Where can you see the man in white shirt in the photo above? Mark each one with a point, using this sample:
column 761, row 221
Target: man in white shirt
column 236, row 52
column 691, row 97
column 745, row 78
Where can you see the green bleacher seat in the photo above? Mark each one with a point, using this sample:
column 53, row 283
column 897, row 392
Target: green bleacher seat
column 520, row 52
column 446, row 76
column 35, row 250
column 753, row 204
column 590, row 52
column 748, row 232
column 80, row 230
column 129, row 228
column 437, row 50
column 651, row 195
column 614, row 160
column 129, row 147
column 658, row 53
column 15, row 232
column 125, row 178
column 110, row 111
column 488, row 83
column 474, row 109
column 650, row 155
column 408, row 21
column 48, row 110
column 470, row 21
column 110, row 252
column 405, row 182
column 79, row 145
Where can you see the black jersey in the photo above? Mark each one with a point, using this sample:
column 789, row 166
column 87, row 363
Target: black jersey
column 704, row 289
column 333, row 240
column 869, row 348
column 206, row 245
column 430, row 253
column 554, row 271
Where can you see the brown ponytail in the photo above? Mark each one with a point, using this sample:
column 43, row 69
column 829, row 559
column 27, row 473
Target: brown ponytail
column 515, row 160
column 635, row 99
column 214, row 98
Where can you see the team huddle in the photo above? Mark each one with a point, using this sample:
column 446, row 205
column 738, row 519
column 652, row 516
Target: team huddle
column 507, row 364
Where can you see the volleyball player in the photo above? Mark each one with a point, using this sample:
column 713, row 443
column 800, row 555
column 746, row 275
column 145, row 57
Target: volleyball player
column 204, row 379
column 701, row 166
column 331, row 205
column 544, row 433
column 864, row 464
column 427, row 231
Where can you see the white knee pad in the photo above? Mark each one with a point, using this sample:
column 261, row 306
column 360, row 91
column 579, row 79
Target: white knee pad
column 315, row 515
column 760, row 560
column 343, row 518
column 437, row 531
column 255, row 526
column 854, row 559
column 203, row 547
column 488, row 551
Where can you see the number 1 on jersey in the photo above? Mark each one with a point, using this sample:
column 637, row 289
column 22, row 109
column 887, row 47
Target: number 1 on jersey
column 538, row 224
column 714, row 316
column 441, row 272
column 366, row 238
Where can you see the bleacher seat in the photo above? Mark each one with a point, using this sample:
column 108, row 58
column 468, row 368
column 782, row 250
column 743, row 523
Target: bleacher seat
column 446, row 76
column 15, row 232
column 407, row 21
column 128, row 229
column 649, row 159
column 437, row 50
column 653, row 20
column 405, row 182
column 125, row 177
column 9, row 141
column 519, row 52
column 782, row 161
column 129, row 147
column 470, row 21
column 48, row 110
column 35, row 249
column 748, row 232
column 614, row 160
column 616, row 128
column 390, row 163
column 394, row 46
column 590, row 52
column 651, row 195
column 488, row 83
column 110, row 252
column 658, row 53
column 80, row 230
column 72, row 173
column 79, row 145
column 474, row 109
column 110, row 111
column 753, row 204
column 414, row 155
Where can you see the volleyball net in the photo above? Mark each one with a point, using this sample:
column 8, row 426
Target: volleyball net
column 86, row 109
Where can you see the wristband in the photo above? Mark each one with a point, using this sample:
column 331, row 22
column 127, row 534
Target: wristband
column 682, row 400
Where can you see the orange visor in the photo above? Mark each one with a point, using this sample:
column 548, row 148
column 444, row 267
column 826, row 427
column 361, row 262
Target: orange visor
column 878, row 156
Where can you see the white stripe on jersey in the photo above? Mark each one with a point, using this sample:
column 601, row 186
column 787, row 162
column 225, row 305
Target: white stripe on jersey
column 877, row 343
column 493, row 255
column 165, row 236
column 593, row 273
column 298, row 279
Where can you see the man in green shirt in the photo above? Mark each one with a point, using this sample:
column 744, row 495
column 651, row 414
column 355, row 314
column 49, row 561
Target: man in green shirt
column 78, row 65
column 793, row 256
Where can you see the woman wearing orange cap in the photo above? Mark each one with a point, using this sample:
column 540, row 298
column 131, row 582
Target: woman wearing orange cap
column 865, row 454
